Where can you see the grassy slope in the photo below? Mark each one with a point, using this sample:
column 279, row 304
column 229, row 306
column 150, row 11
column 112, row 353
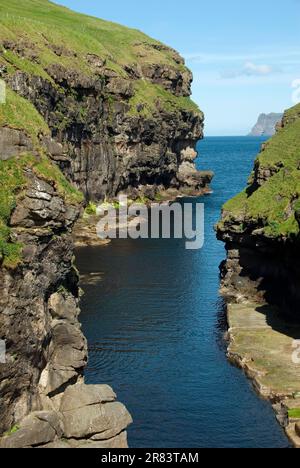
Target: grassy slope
column 40, row 24
column 275, row 204
column 20, row 114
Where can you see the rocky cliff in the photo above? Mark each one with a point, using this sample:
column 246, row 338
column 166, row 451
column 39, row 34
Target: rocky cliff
column 261, row 275
column 261, row 225
column 266, row 125
column 92, row 109
column 116, row 102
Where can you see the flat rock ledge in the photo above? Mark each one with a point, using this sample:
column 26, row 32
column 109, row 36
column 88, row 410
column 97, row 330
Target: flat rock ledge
column 263, row 345
column 85, row 232
column 86, row 416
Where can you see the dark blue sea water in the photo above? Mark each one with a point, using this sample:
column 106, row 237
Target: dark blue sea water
column 155, row 324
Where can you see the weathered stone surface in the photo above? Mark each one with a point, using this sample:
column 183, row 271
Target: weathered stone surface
column 106, row 421
column 118, row 442
column 110, row 150
column 297, row 429
column 79, row 396
column 262, row 344
column 67, row 356
column 266, row 125
column 13, row 142
column 103, row 146
column 59, row 444
column 63, row 306
column 36, row 429
column 120, row 86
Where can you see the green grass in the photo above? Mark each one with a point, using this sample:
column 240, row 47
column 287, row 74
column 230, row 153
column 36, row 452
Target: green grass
column 12, row 431
column 13, row 182
column 294, row 413
column 50, row 172
column 91, row 209
column 152, row 96
column 274, row 206
column 21, row 114
column 41, row 25
column 80, row 33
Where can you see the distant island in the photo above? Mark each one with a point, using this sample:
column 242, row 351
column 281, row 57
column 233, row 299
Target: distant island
column 266, row 125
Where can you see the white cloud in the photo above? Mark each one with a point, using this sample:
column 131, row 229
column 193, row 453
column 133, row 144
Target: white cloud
column 251, row 69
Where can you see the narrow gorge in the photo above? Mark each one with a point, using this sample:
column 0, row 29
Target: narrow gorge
column 92, row 110
column 104, row 343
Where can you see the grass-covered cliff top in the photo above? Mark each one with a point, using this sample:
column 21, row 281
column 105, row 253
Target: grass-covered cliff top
column 47, row 22
column 273, row 204
column 52, row 34
column 35, row 34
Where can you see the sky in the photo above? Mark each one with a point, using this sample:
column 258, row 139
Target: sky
column 245, row 56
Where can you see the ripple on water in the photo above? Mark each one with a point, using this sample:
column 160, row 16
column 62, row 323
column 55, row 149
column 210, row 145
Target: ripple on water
column 155, row 325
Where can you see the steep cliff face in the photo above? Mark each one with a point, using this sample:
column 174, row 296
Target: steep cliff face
column 266, row 125
column 117, row 102
column 261, row 226
column 92, row 109
column 43, row 398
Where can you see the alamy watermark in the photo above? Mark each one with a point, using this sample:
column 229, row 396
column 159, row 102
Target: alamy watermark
column 2, row 92
column 2, row 352
column 154, row 221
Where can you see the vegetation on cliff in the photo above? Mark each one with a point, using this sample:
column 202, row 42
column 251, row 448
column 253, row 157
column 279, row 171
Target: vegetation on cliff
column 20, row 114
column 271, row 202
column 67, row 76
column 37, row 34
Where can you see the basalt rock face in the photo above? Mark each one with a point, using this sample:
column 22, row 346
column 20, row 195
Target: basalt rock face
column 104, row 146
column 266, row 125
column 42, row 394
column 260, row 227
column 92, row 109
column 117, row 103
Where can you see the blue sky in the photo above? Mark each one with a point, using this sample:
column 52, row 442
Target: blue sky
column 244, row 55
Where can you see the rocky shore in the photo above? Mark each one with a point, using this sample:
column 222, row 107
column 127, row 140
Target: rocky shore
column 261, row 344
column 92, row 110
column 261, row 276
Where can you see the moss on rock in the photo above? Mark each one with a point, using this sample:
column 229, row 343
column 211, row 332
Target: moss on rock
column 271, row 202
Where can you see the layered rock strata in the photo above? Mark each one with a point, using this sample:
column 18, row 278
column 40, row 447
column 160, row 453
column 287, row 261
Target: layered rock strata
column 261, row 276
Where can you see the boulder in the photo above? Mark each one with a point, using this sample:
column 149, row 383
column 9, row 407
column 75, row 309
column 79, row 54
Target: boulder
column 38, row 428
column 81, row 395
column 100, row 421
column 63, row 307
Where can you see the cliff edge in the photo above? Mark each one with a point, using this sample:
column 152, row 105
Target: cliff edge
column 92, row 109
column 261, row 276
column 266, row 125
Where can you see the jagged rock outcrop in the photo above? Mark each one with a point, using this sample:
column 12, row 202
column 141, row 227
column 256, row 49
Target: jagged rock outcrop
column 101, row 145
column 120, row 115
column 261, row 275
column 41, row 383
column 89, row 106
column 266, row 125
column 261, row 226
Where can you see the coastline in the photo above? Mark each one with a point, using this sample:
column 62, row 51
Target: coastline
column 270, row 367
column 84, row 232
